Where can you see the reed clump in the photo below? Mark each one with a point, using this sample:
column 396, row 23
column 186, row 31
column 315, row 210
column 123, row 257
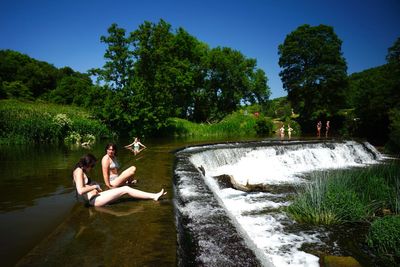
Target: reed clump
column 370, row 194
column 39, row 122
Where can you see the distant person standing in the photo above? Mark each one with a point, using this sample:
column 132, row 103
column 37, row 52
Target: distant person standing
column 282, row 132
column 319, row 126
column 327, row 128
column 289, row 130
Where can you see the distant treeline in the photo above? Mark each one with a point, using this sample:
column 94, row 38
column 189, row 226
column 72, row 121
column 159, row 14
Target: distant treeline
column 155, row 73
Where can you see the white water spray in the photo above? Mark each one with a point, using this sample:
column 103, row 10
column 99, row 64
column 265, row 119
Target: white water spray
column 256, row 216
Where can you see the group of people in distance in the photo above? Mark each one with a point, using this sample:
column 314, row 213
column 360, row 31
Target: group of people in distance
column 117, row 183
column 319, row 126
column 290, row 130
column 282, row 131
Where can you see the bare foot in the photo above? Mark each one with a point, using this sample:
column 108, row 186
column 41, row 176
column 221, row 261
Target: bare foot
column 160, row 194
column 131, row 181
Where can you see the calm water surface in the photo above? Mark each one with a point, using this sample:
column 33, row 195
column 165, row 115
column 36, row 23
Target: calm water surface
column 41, row 224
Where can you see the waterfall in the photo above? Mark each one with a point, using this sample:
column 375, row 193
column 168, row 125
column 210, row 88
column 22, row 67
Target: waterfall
column 253, row 221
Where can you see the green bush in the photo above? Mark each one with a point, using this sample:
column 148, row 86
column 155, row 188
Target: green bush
column 384, row 238
column 264, row 126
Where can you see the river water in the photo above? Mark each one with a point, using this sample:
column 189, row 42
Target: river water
column 196, row 224
column 41, row 224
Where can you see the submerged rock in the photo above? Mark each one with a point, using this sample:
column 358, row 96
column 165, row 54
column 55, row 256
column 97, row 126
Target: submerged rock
column 339, row 261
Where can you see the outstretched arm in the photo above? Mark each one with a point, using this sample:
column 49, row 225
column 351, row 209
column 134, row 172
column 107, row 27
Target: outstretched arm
column 142, row 145
column 130, row 145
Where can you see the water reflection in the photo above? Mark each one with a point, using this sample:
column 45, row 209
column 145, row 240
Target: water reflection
column 39, row 213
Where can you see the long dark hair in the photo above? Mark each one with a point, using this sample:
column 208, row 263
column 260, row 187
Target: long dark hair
column 113, row 145
column 85, row 162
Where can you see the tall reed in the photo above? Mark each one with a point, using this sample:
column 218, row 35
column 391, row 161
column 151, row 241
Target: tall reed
column 333, row 197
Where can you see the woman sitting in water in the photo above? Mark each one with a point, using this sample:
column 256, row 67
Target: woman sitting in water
column 110, row 166
column 91, row 193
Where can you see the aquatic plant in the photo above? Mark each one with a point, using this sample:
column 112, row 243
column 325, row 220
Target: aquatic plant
column 326, row 201
column 347, row 195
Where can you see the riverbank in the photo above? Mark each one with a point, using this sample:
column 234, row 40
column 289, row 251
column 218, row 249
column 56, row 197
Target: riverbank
column 45, row 123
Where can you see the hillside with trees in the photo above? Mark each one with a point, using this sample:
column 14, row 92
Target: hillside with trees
column 155, row 73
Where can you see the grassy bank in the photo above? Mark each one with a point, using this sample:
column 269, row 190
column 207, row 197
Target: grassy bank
column 236, row 124
column 39, row 122
column 369, row 194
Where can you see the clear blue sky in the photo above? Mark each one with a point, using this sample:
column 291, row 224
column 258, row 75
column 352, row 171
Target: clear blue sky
column 67, row 33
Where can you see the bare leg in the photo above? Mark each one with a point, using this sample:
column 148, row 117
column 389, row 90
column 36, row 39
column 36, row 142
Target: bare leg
column 111, row 195
column 125, row 176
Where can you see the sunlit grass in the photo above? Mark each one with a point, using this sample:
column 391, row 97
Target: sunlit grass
column 39, row 122
column 236, row 124
column 334, row 197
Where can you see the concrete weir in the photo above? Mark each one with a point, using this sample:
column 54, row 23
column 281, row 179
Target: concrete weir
column 229, row 199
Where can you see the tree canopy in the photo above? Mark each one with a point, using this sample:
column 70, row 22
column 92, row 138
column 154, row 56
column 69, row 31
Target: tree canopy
column 156, row 72
column 313, row 71
column 375, row 96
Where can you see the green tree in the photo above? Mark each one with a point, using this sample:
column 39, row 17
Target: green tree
column 375, row 95
column 37, row 76
column 313, row 71
column 16, row 89
column 168, row 73
column 117, row 70
column 232, row 80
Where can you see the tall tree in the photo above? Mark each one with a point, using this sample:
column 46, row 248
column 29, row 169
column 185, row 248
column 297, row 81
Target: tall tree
column 118, row 68
column 232, row 80
column 313, row 71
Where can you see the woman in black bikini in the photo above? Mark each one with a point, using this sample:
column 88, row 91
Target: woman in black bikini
column 91, row 192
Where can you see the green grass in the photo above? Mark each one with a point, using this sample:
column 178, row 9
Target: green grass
column 236, row 124
column 384, row 237
column 339, row 196
column 363, row 194
column 39, row 122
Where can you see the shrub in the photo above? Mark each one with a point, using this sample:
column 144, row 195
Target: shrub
column 264, row 126
column 384, row 237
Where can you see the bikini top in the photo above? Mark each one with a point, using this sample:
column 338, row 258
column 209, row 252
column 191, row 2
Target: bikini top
column 87, row 179
column 114, row 164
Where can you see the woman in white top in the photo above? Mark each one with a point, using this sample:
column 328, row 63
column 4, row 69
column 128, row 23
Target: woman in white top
column 110, row 167
column 137, row 145
column 91, row 192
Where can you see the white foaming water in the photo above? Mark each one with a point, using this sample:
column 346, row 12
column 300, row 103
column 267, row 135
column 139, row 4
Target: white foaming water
column 256, row 215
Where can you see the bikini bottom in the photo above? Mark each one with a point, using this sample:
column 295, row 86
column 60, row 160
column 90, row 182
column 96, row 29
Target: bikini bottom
column 92, row 199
